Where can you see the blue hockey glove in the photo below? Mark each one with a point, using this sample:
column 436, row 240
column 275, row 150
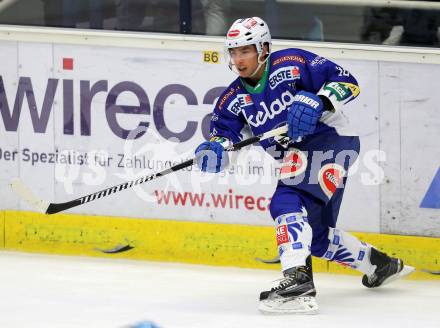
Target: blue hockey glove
column 211, row 157
column 304, row 114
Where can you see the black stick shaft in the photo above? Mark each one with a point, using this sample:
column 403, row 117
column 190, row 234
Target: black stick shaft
column 58, row 207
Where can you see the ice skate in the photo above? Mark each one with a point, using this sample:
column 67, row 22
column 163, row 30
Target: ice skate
column 294, row 295
column 387, row 270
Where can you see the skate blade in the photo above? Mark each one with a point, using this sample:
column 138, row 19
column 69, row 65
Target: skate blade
column 407, row 269
column 297, row 305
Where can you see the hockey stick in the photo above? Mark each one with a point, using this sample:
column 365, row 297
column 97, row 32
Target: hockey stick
column 51, row 208
column 275, row 260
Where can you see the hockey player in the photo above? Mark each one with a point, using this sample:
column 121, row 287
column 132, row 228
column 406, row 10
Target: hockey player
column 305, row 91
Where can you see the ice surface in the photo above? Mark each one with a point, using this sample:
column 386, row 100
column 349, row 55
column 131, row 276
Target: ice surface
column 56, row 291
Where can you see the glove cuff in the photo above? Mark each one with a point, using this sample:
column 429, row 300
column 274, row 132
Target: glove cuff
column 328, row 106
column 336, row 93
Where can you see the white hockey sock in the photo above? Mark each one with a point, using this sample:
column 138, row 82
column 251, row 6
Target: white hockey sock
column 294, row 238
column 347, row 250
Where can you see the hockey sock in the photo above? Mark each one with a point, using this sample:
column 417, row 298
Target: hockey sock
column 294, row 237
column 347, row 250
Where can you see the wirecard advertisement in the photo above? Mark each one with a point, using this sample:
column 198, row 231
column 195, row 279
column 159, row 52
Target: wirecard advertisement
column 78, row 119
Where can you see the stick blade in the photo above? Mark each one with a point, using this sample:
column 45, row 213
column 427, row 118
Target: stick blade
column 274, row 260
column 25, row 194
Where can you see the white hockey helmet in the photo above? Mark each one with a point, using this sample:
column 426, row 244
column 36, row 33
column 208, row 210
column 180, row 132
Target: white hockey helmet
column 248, row 31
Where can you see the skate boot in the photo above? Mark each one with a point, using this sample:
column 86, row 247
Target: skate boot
column 387, row 269
column 294, row 295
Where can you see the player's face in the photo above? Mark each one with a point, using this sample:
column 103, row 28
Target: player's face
column 245, row 59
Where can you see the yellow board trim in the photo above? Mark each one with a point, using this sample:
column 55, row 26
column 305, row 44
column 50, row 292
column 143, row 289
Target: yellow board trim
column 184, row 241
column 2, row 229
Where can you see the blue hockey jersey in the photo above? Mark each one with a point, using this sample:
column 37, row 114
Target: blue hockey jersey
column 264, row 107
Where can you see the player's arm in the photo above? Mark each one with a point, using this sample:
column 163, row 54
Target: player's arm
column 324, row 86
column 225, row 129
column 335, row 85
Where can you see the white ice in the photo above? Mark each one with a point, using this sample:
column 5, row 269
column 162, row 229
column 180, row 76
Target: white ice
column 56, row 291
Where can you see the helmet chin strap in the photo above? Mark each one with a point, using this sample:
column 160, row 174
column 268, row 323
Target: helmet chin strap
column 260, row 63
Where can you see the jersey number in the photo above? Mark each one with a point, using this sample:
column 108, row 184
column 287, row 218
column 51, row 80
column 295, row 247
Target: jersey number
column 342, row 72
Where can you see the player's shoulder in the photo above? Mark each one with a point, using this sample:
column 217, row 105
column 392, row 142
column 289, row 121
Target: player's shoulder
column 288, row 57
column 229, row 94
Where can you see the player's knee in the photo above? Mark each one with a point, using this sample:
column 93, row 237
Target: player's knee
column 282, row 203
column 275, row 209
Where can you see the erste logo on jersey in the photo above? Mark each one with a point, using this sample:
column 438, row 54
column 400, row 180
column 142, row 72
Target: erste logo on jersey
column 294, row 164
column 242, row 100
column 245, row 100
column 289, row 73
column 234, row 107
column 276, row 107
column 330, row 177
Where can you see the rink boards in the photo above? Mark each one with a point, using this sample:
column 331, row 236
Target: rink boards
column 73, row 98
column 178, row 241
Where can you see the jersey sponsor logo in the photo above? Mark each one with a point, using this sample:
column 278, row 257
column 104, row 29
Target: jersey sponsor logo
column 318, row 61
column 340, row 91
column 283, row 59
column 242, row 100
column 306, row 100
column 245, row 100
column 330, row 177
column 353, row 88
column 233, row 33
column 213, row 133
column 234, row 107
column 282, row 74
column 294, row 164
column 225, row 97
column 276, row 107
column 282, row 234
